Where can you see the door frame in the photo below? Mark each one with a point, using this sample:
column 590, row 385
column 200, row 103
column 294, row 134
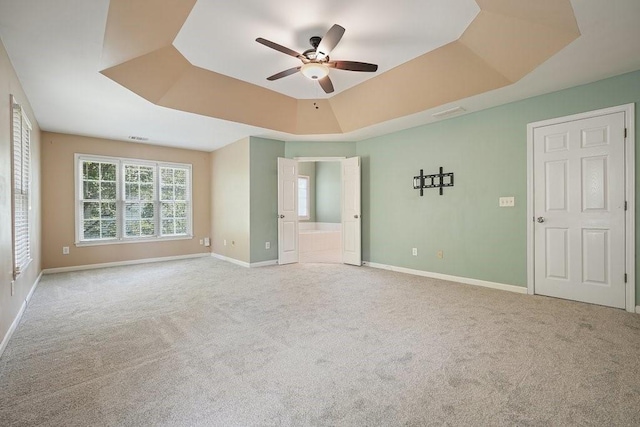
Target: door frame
column 629, row 160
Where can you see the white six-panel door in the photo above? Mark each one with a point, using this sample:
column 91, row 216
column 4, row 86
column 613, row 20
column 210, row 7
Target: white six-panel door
column 287, row 211
column 351, row 214
column 579, row 208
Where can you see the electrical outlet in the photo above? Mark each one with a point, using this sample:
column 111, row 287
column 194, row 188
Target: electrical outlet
column 414, row 251
column 440, row 254
column 65, row 250
column 507, row 202
column 225, row 242
column 201, row 242
column 267, row 245
column 207, row 241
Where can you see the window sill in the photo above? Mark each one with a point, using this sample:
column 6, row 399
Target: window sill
column 129, row 241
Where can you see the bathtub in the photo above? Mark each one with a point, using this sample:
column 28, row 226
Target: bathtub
column 320, row 242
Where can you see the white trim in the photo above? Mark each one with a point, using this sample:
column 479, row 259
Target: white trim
column 630, row 236
column 638, row 309
column 458, row 279
column 33, row 288
column 121, row 263
column 16, row 321
column 243, row 263
column 319, row 159
column 231, row 260
column 121, row 163
column 264, row 263
column 128, row 240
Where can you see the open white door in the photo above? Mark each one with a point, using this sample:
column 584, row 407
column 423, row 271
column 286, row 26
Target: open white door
column 287, row 211
column 351, row 215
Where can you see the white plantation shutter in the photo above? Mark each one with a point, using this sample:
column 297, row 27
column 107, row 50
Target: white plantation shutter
column 21, row 130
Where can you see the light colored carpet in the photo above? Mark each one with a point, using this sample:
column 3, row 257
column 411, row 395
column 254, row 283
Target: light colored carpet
column 203, row 342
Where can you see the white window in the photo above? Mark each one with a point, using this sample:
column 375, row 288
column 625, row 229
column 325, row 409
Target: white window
column 303, row 197
column 126, row 200
column 21, row 136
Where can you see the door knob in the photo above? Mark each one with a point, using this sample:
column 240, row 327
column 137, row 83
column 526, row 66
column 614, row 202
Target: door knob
column 355, row 216
column 280, row 216
column 540, row 219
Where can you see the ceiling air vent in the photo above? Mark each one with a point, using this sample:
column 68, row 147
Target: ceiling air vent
column 138, row 138
column 448, row 113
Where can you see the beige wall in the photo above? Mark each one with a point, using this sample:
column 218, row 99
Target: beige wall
column 230, row 200
column 58, row 204
column 10, row 304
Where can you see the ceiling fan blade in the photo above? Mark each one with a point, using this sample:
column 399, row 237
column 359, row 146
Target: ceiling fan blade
column 353, row 66
column 279, row 48
column 326, row 84
column 284, row 73
column 329, row 41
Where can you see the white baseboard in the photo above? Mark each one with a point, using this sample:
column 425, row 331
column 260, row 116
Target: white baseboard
column 264, row 263
column 243, row 263
column 121, row 263
column 465, row 280
column 231, row 260
column 16, row 321
column 638, row 309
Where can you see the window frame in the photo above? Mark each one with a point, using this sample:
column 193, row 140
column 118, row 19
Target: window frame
column 308, row 198
column 20, row 266
column 121, row 201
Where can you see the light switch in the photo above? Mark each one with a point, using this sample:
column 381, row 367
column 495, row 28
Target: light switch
column 507, row 202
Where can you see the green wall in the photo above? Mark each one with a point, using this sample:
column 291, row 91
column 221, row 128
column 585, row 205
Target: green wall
column 309, row 169
column 487, row 152
column 263, row 205
column 328, row 192
column 319, row 149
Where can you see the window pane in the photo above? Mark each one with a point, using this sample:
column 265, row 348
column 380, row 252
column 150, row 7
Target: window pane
column 181, row 193
column 91, row 210
column 131, row 173
column 167, row 175
column 181, row 226
column 108, row 171
column 167, row 210
column 146, row 174
column 132, row 192
column 132, row 228
column 148, row 228
column 167, row 226
column 92, row 229
column 181, row 210
column 180, row 176
column 167, row 193
column 91, row 170
column 108, row 211
column 147, row 210
column 91, row 190
column 146, row 192
column 108, row 191
column 132, row 211
column 108, row 229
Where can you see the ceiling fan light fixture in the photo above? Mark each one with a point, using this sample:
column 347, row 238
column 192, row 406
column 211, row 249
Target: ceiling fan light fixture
column 314, row 70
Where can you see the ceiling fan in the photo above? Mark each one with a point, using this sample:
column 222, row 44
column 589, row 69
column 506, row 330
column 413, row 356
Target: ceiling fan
column 316, row 62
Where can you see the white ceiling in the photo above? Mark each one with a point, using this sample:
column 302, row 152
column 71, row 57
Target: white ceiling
column 55, row 48
column 222, row 39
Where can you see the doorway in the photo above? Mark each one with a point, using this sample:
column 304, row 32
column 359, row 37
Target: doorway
column 581, row 198
column 319, row 210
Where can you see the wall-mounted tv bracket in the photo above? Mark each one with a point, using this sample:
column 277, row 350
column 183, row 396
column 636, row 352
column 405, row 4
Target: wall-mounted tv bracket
column 437, row 180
